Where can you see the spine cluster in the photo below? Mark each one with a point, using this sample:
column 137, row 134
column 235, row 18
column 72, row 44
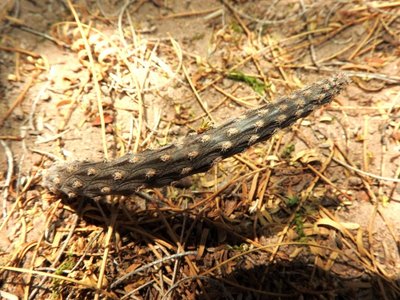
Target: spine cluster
column 195, row 153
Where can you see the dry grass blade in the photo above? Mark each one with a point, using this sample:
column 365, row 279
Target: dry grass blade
column 145, row 267
column 59, row 277
column 20, row 98
column 10, row 169
column 95, row 75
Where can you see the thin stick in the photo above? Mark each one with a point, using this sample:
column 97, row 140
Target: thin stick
column 309, row 36
column 354, row 54
column 189, row 14
column 19, row 50
column 110, row 232
column 324, row 178
column 41, row 34
column 365, row 173
column 60, row 251
column 304, row 197
column 20, row 98
column 233, row 98
column 10, row 137
column 198, row 98
column 365, row 144
column 10, row 170
column 95, row 77
column 149, row 265
column 58, row 277
column 133, row 77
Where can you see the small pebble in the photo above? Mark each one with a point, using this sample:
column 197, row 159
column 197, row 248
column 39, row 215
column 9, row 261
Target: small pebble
column 354, row 181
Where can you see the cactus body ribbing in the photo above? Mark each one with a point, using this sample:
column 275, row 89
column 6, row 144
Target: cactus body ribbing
column 193, row 154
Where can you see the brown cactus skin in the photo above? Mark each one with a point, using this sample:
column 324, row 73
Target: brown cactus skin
column 195, row 153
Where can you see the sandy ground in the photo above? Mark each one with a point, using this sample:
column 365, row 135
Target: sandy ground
column 49, row 110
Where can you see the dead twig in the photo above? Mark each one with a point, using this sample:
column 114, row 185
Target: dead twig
column 150, row 265
column 10, row 170
column 41, row 34
column 353, row 168
column 61, row 250
column 95, row 77
column 20, row 97
column 196, row 93
column 189, row 14
column 309, row 36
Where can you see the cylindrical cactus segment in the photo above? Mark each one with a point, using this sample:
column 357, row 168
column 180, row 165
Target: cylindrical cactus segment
column 194, row 153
